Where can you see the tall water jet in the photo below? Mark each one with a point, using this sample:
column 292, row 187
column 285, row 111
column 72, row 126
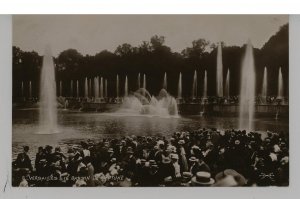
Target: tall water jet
column 117, row 86
column 205, row 85
column 77, row 88
column 86, row 88
column 219, row 72
column 71, row 88
column 126, row 87
column 60, row 88
column 22, row 89
column 247, row 93
column 139, row 81
column 280, row 85
column 179, row 92
column 264, row 85
column 227, row 94
column 106, row 88
column 48, row 104
column 90, row 88
column 165, row 81
column 30, row 90
column 96, row 87
column 101, row 87
column 195, row 86
column 144, row 83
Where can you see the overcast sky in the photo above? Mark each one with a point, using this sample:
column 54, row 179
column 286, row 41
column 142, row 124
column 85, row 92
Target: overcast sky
column 90, row 34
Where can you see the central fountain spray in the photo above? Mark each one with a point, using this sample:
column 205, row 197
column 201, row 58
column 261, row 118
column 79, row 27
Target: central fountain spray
column 247, row 94
column 219, row 72
column 48, row 104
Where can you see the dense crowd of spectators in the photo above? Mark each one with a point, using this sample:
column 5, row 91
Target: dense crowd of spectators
column 205, row 157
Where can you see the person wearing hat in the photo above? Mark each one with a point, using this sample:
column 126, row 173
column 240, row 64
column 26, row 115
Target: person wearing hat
column 182, row 156
column 90, row 171
column 111, row 153
column 130, row 161
column 202, row 179
column 113, row 167
column 186, row 179
column 158, row 156
column 23, row 161
column 57, row 152
column 152, row 176
column 235, row 179
column 49, row 156
column 177, row 168
column 85, row 151
column 141, row 172
column 39, row 156
column 198, row 164
column 168, row 181
column 166, row 168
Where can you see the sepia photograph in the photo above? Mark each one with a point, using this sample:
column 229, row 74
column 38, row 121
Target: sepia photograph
column 150, row 101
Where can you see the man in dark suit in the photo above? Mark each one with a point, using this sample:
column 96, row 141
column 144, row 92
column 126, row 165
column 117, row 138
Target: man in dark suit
column 23, row 161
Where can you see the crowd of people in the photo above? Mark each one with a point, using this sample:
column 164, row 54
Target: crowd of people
column 205, row 157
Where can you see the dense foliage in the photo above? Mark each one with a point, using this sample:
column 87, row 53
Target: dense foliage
column 154, row 58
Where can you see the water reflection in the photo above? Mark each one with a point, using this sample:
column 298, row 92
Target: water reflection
column 76, row 126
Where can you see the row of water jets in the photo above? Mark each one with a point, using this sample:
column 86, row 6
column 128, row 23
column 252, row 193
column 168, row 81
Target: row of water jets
column 141, row 102
column 100, row 86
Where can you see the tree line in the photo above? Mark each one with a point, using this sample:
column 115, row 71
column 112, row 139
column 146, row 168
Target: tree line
column 154, row 58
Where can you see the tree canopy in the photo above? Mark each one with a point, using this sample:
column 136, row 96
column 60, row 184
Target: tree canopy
column 154, row 58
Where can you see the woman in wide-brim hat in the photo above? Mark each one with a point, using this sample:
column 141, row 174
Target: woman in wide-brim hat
column 239, row 179
column 202, row 178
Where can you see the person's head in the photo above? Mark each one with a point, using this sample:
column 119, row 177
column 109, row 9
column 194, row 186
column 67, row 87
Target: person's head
column 57, row 149
column 26, row 149
column 87, row 160
column 84, row 145
column 40, row 149
column 174, row 157
column 48, row 149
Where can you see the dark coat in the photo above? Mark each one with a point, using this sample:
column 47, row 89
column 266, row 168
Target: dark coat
column 23, row 161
